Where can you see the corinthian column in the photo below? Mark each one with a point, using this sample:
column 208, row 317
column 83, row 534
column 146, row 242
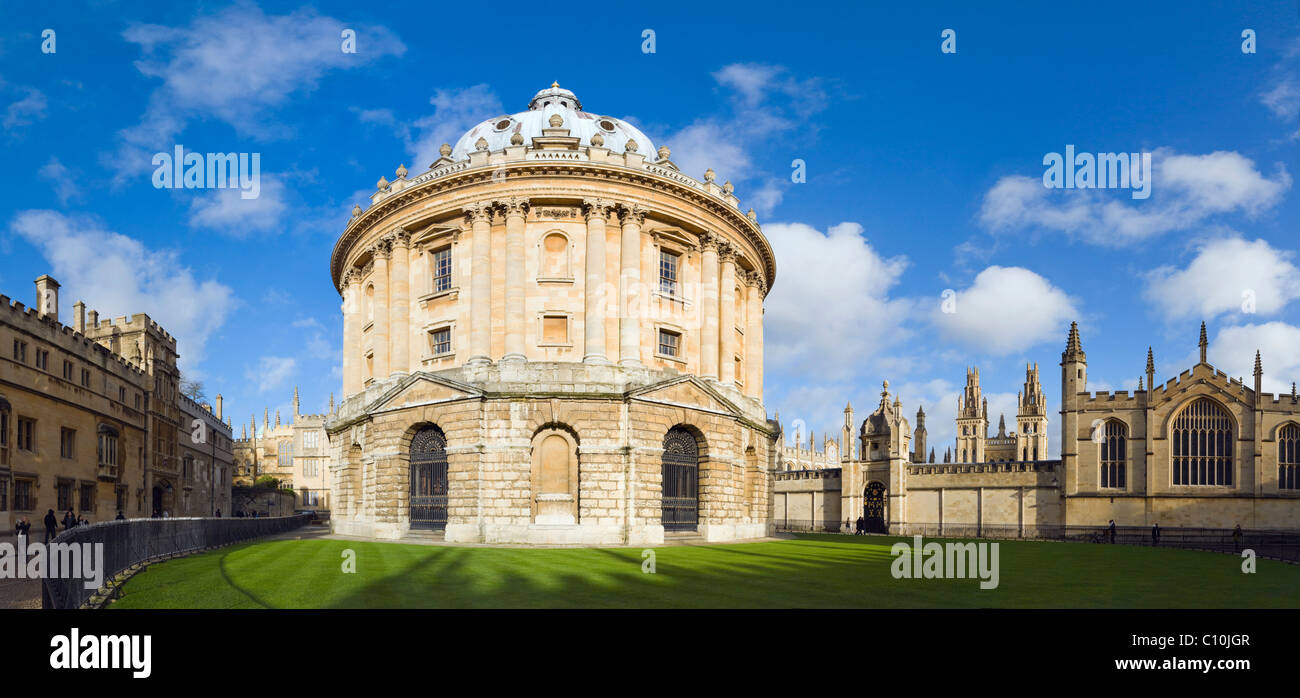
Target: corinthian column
column 382, row 250
column 480, row 290
column 399, row 308
column 594, row 290
column 709, row 306
column 631, row 299
column 515, row 210
column 351, row 332
column 754, row 338
column 727, row 315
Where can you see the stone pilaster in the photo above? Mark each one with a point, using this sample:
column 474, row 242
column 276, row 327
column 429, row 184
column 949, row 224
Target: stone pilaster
column 709, row 307
column 754, row 339
column 352, row 322
column 399, row 308
column 631, row 300
column 597, row 210
column 515, row 210
column 480, row 293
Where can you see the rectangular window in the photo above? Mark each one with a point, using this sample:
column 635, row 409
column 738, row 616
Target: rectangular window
column 87, row 497
column 67, row 370
column 669, row 343
column 107, row 449
column 4, row 438
column 67, row 443
column 310, row 439
column 121, row 394
column 43, row 359
column 555, row 329
column 668, row 264
column 20, row 351
column 4, row 493
column 85, row 378
column 24, row 499
column 441, row 263
column 121, row 499
column 137, row 401
column 26, row 435
column 65, row 496
column 440, row 341
column 286, row 454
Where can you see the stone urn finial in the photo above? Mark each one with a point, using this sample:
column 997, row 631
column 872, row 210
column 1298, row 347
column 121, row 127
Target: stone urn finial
column 664, row 152
column 710, row 175
column 481, row 144
column 598, row 140
column 444, row 150
column 556, row 121
column 728, row 187
column 631, row 145
column 751, row 215
column 382, row 183
column 517, row 138
column 401, row 171
column 356, row 210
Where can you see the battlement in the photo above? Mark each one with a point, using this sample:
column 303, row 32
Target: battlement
column 62, row 336
column 135, row 323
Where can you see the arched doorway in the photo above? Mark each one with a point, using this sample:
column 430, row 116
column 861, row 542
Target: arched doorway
column 681, row 468
column 429, row 479
column 873, row 507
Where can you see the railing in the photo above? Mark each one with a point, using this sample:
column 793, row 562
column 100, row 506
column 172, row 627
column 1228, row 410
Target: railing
column 1278, row 545
column 130, row 543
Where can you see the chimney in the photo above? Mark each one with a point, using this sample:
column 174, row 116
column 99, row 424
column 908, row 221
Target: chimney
column 93, row 319
column 218, row 405
column 47, row 297
column 79, row 317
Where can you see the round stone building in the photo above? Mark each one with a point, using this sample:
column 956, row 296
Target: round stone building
column 552, row 336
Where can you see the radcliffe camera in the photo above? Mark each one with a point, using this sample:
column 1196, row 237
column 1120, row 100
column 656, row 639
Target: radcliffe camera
column 405, row 341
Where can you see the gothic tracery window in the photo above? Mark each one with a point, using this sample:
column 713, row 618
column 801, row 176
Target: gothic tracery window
column 1288, row 457
column 1114, row 455
column 1203, row 448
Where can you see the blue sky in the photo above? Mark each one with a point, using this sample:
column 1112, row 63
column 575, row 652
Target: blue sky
column 923, row 174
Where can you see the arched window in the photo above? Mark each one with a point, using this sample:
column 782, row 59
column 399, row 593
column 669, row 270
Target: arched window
column 1203, row 448
column 554, row 257
column 1288, row 457
column 4, row 431
column 1114, row 455
column 370, row 302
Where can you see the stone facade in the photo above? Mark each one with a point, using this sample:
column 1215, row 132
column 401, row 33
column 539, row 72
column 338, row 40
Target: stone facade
column 91, row 418
column 207, row 461
column 547, row 314
column 1200, row 450
column 297, row 454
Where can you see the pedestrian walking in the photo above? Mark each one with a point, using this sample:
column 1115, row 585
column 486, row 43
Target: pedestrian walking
column 22, row 528
column 1112, row 530
column 1236, row 538
column 51, row 526
column 1155, row 534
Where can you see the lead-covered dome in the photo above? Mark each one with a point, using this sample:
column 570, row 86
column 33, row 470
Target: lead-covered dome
column 529, row 124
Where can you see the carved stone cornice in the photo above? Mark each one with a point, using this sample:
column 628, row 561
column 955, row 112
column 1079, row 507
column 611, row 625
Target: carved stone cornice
column 634, row 214
column 515, row 206
column 709, row 242
column 352, row 276
column 383, row 247
column 726, row 253
column 401, row 237
column 478, row 212
column 597, row 208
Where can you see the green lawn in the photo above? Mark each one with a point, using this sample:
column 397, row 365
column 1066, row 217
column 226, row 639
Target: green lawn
column 815, row 571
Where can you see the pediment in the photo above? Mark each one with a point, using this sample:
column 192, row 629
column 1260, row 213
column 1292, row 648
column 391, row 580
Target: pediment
column 423, row 389
column 686, row 391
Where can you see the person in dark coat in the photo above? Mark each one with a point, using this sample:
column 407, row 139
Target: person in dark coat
column 1112, row 530
column 1236, row 538
column 69, row 521
column 120, row 516
column 22, row 528
column 51, row 526
column 1155, row 534
column 862, row 525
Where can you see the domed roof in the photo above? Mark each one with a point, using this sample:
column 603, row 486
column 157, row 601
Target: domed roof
column 546, row 103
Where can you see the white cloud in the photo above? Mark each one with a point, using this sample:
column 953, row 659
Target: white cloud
column 1282, row 97
column 1233, row 352
column 271, row 372
column 227, row 211
column 234, row 65
column 1186, row 190
column 61, row 180
column 455, row 111
column 829, row 310
column 25, row 111
column 117, row 275
column 1220, row 278
column 1005, row 310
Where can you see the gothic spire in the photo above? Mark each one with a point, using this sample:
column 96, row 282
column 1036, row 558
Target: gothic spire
column 1204, row 343
column 1259, row 366
column 1151, row 361
column 1073, row 347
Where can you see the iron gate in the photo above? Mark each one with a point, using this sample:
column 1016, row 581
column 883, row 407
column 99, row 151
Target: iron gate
column 429, row 479
column 681, row 467
column 873, row 508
